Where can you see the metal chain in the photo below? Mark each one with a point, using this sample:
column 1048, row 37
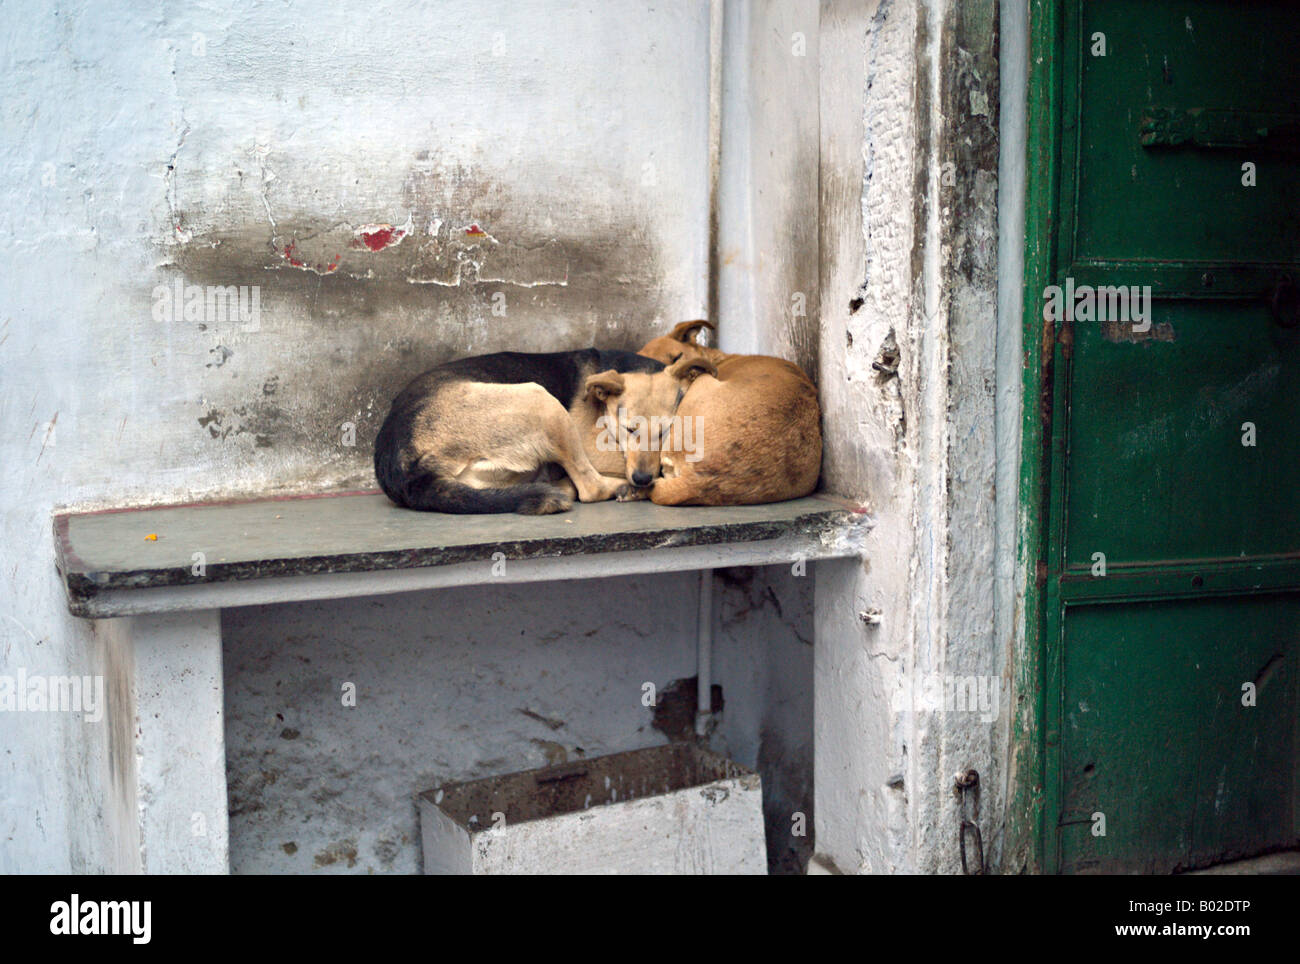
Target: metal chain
column 968, row 785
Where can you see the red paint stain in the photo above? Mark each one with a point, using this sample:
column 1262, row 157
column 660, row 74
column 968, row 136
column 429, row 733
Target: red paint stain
column 380, row 238
column 297, row 262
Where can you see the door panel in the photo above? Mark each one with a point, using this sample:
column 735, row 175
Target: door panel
column 1157, row 467
column 1192, row 79
column 1149, row 690
column 1173, row 575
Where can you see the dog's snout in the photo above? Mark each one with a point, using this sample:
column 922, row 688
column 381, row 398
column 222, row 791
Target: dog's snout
column 642, row 479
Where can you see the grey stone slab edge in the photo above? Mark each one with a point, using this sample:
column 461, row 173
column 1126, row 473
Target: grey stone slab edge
column 83, row 584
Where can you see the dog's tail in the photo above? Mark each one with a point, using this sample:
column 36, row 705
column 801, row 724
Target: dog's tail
column 423, row 490
column 418, row 488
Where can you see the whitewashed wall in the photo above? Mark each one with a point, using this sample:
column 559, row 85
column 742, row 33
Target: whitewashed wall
column 147, row 143
column 550, row 159
column 909, row 166
column 466, row 683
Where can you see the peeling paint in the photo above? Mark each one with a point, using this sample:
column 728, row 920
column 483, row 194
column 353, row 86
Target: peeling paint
column 382, row 316
column 1123, row 331
column 376, row 237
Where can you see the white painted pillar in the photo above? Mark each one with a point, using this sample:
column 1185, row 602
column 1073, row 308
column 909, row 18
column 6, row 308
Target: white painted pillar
column 858, row 803
column 167, row 754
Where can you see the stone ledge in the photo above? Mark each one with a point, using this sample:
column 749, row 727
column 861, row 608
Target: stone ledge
column 107, row 557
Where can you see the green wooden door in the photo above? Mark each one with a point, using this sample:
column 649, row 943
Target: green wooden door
column 1172, row 599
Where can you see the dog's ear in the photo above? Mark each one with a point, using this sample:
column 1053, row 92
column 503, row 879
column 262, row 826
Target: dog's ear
column 687, row 329
column 689, row 369
column 602, row 385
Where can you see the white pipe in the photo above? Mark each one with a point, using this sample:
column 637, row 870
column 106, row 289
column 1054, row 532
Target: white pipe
column 704, row 655
column 704, row 624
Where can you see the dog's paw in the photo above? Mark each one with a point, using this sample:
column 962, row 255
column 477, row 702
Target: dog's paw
column 630, row 493
column 557, row 500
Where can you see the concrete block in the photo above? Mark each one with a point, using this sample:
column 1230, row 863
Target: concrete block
column 674, row 809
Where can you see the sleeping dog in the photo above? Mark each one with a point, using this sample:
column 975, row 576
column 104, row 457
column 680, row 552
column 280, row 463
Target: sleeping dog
column 516, row 432
column 761, row 424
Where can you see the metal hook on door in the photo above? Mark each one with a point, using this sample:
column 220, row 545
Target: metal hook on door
column 968, row 789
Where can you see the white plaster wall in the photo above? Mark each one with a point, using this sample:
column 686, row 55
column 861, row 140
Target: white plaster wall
column 767, row 290
column 868, row 143
column 903, row 346
column 767, row 260
column 763, row 655
column 908, row 338
column 442, row 680
column 144, row 143
column 963, row 239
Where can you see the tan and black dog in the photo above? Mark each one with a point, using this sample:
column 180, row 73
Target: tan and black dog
column 756, row 430
column 516, row 432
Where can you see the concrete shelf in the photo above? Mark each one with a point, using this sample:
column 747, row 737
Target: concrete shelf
column 215, row 555
column 170, row 570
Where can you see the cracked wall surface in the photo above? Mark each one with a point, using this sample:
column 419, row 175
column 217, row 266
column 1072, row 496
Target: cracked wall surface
column 909, row 163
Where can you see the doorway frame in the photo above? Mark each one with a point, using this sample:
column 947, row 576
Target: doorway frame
column 1035, row 784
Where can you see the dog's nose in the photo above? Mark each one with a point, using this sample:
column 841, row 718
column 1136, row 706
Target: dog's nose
column 642, row 479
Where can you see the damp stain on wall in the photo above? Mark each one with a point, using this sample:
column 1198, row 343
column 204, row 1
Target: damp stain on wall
column 351, row 308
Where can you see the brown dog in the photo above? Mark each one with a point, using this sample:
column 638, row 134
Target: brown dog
column 751, row 434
